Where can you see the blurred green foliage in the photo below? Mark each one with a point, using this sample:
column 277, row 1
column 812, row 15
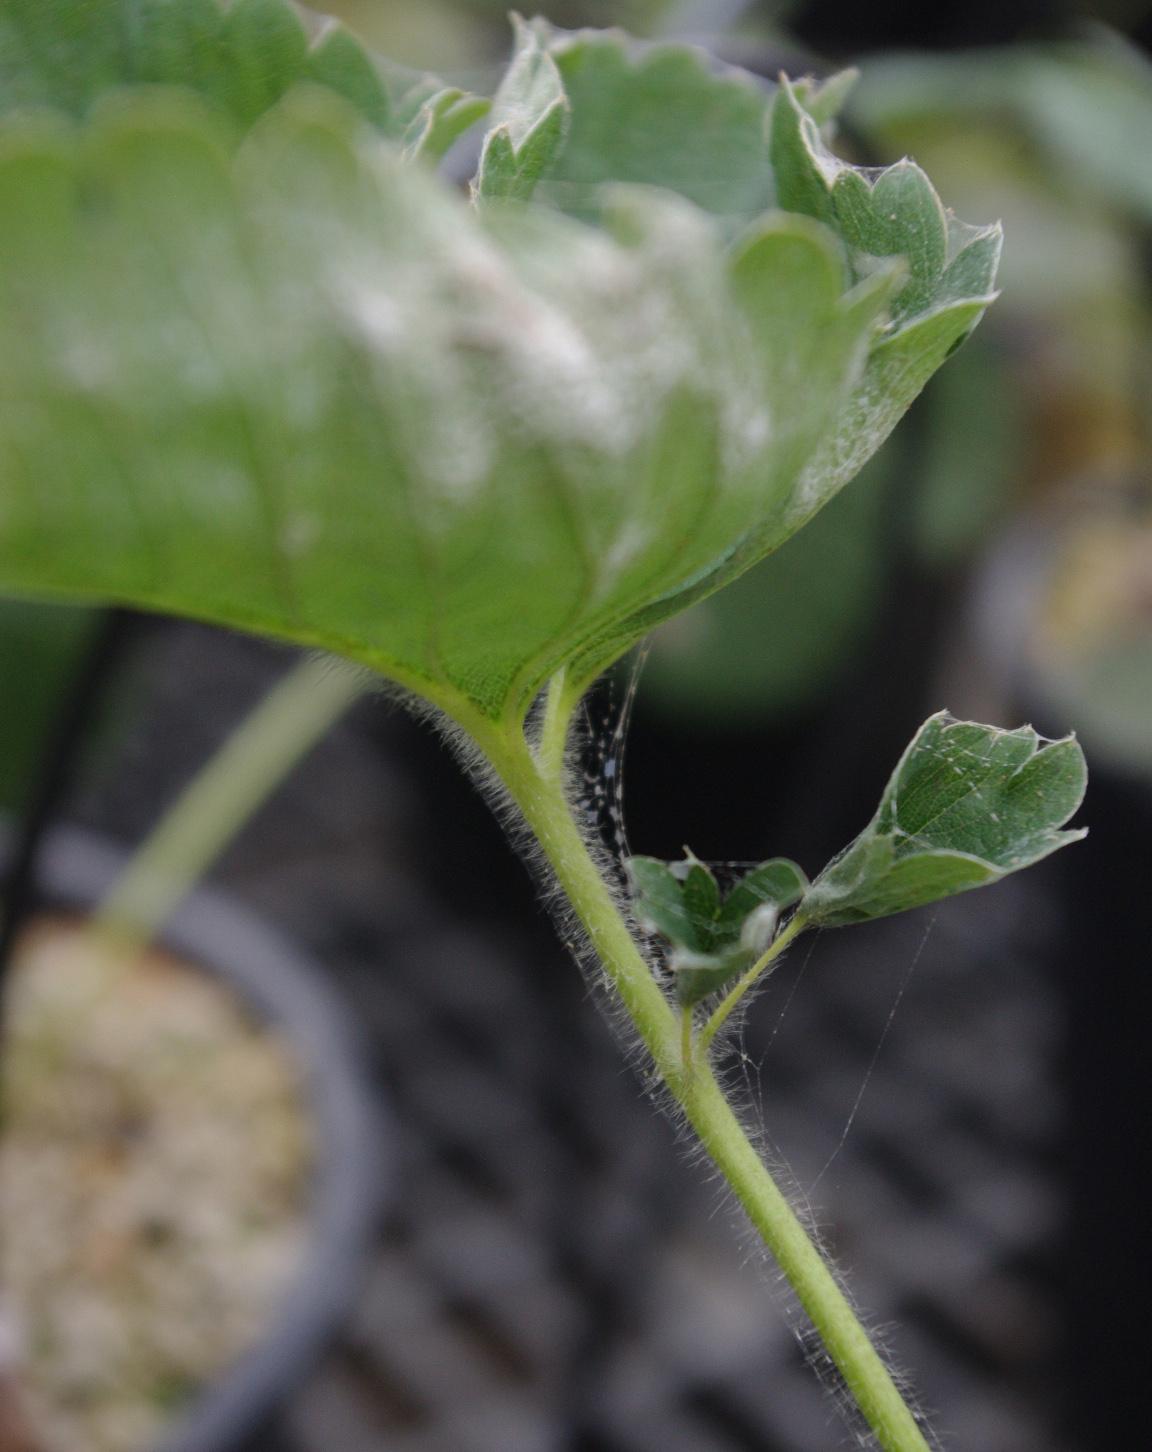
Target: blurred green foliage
column 780, row 634
column 972, row 450
column 1054, row 140
column 1053, row 395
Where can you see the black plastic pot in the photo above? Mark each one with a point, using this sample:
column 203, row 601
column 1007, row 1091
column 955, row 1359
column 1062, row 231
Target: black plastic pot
column 282, row 986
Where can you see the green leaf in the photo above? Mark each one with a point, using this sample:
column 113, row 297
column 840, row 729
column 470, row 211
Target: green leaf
column 307, row 392
column 680, row 900
column 263, row 50
column 443, row 116
column 824, row 100
column 844, row 428
column 702, row 904
column 528, row 121
column 966, row 805
column 697, row 976
column 664, row 116
column 339, row 62
column 898, row 366
column 243, row 57
column 776, row 884
column 897, row 215
column 888, row 214
column 659, row 900
column 713, row 939
column 283, row 381
column 803, row 168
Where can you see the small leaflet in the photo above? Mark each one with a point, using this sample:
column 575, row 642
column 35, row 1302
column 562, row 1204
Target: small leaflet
column 966, row 805
column 713, row 937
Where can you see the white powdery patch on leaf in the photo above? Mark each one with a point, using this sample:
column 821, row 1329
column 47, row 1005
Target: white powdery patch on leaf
column 545, row 332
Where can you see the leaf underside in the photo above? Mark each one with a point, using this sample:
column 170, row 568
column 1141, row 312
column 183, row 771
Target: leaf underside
column 257, row 368
column 241, row 58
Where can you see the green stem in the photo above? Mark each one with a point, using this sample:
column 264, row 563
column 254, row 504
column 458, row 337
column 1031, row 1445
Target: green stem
column 686, row 1026
column 261, row 751
column 746, row 980
column 816, row 1288
column 554, row 729
column 542, row 801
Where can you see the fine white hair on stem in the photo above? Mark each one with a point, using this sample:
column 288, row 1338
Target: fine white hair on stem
column 735, row 1088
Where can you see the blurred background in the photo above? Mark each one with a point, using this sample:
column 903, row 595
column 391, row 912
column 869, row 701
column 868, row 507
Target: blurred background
column 961, row 1093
